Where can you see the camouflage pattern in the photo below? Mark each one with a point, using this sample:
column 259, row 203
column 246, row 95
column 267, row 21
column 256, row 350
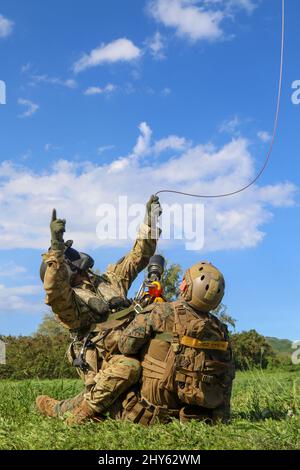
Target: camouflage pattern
column 83, row 308
column 116, row 375
column 174, row 376
column 156, row 318
column 78, row 308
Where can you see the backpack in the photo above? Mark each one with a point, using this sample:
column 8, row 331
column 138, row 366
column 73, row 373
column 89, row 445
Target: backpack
column 198, row 365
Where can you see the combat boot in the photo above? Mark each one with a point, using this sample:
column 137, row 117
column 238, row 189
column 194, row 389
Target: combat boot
column 48, row 406
column 81, row 413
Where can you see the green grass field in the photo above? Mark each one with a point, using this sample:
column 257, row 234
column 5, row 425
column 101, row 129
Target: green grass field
column 265, row 408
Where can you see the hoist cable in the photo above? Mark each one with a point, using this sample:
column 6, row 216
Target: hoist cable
column 232, row 193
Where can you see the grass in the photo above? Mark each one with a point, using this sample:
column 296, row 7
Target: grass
column 265, row 415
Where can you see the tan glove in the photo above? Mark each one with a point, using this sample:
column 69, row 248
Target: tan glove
column 57, row 228
column 153, row 211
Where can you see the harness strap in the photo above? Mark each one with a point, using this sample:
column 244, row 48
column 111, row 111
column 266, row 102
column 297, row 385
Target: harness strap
column 194, row 342
column 180, row 322
column 149, row 359
column 143, row 412
column 166, row 337
column 122, row 313
column 153, row 368
column 198, row 344
column 162, row 413
column 149, row 374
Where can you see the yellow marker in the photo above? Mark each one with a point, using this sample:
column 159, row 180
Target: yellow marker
column 196, row 343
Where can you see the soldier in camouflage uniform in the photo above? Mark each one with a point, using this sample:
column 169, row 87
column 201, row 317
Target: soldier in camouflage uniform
column 85, row 304
column 187, row 365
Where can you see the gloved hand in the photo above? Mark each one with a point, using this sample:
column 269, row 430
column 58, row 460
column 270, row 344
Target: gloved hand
column 57, row 228
column 153, row 211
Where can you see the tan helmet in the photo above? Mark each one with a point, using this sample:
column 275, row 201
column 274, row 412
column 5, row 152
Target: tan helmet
column 205, row 286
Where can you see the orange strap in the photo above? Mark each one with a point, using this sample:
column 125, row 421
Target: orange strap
column 196, row 343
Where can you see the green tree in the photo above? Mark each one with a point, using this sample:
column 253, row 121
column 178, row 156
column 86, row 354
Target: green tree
column 171, row 281
column 38, row 356
column 51, row 327
column 222, row 313
column 251, row 349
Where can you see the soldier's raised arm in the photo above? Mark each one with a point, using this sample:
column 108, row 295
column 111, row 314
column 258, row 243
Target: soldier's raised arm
column 55, row 277
column 126, row 270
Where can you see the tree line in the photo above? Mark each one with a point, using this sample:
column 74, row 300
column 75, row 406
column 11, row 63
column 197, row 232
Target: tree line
column 43, row 354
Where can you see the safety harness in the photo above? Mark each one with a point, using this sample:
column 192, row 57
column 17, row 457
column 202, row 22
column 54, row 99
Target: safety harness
column 187, row 370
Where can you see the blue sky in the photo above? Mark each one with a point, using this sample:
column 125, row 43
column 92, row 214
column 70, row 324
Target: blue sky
column 113, row 98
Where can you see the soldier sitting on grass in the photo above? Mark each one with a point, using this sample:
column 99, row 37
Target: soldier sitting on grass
column 84, row 303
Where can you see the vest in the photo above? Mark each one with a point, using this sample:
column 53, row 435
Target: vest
column 190, row 363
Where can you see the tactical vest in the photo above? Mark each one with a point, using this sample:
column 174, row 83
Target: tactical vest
column 94, row 304
column 100, row 342
column 191, row 363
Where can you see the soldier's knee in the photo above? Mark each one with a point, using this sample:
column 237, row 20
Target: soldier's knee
column 132, row 367
column 136, row 370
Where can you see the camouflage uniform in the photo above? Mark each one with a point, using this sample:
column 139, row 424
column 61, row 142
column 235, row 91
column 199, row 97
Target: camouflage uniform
column 187, row 366
column 85, row 311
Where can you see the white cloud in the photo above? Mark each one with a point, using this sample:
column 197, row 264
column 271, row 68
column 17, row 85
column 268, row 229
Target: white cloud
column 94, row 90
column 264, row 136
column 26, row 67
column 173, row 142
column 48, row 147
column 142, row 146
column 120, row 50
column 157, row 45
column 188, row 19
column 69, row 83
column 11, row 270
column 230, row 126
column 32, row 108
column 6, row 26
column 27, row 197
column 197, row 20
column 38, row 78
column 247, row 5
column 105, row 148
column 15, row 298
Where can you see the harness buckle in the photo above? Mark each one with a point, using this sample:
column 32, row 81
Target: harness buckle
column 138, row 309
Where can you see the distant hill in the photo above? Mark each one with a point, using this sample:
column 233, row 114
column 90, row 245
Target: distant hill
column 283, row 347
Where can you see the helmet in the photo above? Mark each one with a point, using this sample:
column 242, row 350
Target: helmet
column 205, row 286
column 75, row 262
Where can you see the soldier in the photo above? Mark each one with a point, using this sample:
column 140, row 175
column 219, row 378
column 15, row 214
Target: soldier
column 187, row 365
column 86, row 305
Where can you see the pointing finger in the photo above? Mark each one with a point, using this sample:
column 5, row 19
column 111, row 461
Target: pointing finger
column 53, row 215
